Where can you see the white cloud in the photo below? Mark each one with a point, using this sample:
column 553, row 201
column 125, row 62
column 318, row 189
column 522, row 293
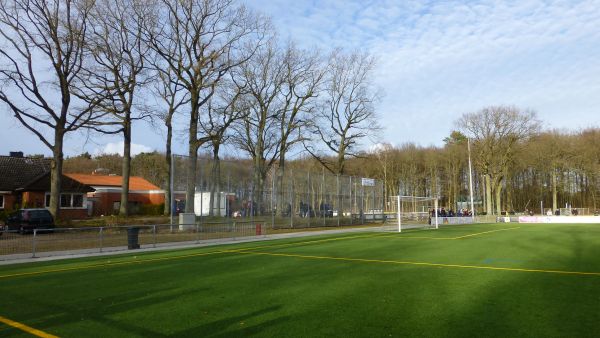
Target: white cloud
column 117, row 148
column 439, row 59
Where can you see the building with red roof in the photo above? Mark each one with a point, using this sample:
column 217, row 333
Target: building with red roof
column 106, row 197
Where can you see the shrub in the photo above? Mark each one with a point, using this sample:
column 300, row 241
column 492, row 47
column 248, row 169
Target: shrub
column 152, row 209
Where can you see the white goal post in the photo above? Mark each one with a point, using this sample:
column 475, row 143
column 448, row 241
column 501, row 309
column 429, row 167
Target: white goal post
column 416, row 212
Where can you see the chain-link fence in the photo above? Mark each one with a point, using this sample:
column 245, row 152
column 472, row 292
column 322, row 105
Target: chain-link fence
column 70, row 241
column 285, row 198
column 230, row 200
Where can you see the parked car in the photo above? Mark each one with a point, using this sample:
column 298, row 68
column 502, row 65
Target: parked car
column 26, row 220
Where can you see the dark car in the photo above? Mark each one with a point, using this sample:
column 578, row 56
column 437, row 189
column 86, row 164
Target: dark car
column 26, row 220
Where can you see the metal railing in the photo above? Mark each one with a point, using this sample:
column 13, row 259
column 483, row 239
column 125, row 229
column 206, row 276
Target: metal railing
column 71, row 241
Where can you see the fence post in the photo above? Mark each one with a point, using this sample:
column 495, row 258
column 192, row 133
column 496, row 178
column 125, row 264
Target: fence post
column 322, row 196
column 292, row 199
column 154, row 235
column 362, row 204
column 33, row 243
column 197, row 233
column 308, row 197
column 351, row 205
column 101, row 234
column 272, row 196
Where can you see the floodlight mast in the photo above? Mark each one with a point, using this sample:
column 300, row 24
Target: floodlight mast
column 399, row 211
column 435, row 210
column 470, row 179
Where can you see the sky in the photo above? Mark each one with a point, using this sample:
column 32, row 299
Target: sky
column 436, row 60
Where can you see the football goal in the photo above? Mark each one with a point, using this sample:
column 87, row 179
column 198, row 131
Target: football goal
column 412, row 212
column 575, row 211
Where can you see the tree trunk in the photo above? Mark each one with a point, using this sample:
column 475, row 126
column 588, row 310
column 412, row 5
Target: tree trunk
column 215, row 183
column 554, row 191
column 593, row 195
column 257, row 187
column 482, row 192
column 56, row 173
column 190, row 189
column 509, row 198
column 124, row 207
column 279, row 184
column 498, row 190
column 168, row 203
column 192, row 164
column 341, row 160
column 488, row 194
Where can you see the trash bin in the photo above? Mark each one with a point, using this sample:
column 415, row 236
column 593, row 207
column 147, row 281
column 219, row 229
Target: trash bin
column 133, row 235
column 258, row 229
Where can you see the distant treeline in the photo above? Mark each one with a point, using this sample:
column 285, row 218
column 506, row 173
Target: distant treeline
column 555, row 167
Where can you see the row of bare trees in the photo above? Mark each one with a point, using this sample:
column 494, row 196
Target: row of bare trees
column 213, row 65
column 515, row 164
column 555, row 167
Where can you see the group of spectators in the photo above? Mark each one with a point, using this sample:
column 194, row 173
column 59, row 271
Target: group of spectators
column 574, row 212
column 442, row 212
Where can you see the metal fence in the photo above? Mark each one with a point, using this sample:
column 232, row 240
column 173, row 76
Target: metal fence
column 231, row 200
column 87, row 240
column 290, row 198
column 70, row 241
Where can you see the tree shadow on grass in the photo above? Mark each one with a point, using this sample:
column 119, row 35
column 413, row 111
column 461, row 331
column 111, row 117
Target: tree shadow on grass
column 53, row 313
column 534, row 304
column 235, row 326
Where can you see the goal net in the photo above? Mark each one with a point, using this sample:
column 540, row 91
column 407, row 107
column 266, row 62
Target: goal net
column 575, row 211
column 411, row 212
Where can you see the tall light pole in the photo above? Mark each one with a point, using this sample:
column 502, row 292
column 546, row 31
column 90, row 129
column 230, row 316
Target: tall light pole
column 470, row 178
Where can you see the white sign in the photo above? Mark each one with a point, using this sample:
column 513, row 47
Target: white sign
column 368, row 182
column 559, row 219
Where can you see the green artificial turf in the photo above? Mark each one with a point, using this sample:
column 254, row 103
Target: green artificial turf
column 417, row 283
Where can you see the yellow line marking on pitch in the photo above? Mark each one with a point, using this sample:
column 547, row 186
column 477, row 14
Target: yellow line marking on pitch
column 364, row 260
column 312, row 241
column 417, row 237
column 26, row 328
column 486, row 232
column 136, row 261
column 100, row 265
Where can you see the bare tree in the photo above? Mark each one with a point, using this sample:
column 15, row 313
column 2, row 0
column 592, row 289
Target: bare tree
column 200, row 41
column 454, row 159
column 347, row 115
column 497, row 131
column 385, row 170
column 302, row 75
column 222, row 111
column 258, row 133
column 41, row 54
column 115, row 71
column 172, row 97
column 551, row 153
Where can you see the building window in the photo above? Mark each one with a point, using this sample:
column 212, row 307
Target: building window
column 1, row 201
column 68, row 201
column 77, row 201
column 65, row 200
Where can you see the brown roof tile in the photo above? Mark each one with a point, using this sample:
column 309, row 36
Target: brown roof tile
column 16, row 172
